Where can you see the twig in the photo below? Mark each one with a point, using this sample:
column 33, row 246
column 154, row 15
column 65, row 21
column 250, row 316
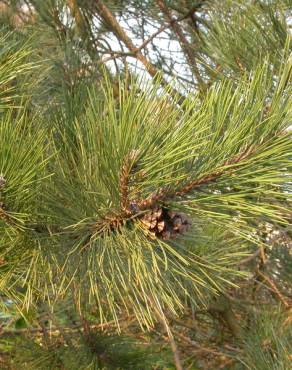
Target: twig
column 262, row 254
column 250, row 258
column 274, row 289
column 116, row 54
column 162, row 319
column 77, row 15
column 170, row 23
column 216, row 174
column 200, row 348
column 121, row 34
column 183, row 42
column 240, row 65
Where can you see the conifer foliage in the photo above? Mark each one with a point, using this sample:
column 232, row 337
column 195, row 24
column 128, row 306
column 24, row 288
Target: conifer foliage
column 145, row 216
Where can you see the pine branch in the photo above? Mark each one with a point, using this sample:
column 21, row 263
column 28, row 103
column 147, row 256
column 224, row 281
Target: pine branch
column 164, row 194
column 130, row 210
column 135, row 209
column 172, row 21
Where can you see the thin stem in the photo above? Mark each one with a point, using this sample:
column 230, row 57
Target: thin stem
column 162, row 319
column 274, row 289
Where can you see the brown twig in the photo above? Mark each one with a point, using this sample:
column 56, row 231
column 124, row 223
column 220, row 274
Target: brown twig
column 114, row 55
column 162, row 319
column 121, row 34
column 199, row 347
column 240, row 65
column 216, row 174
column 250, row 258
column 170, row 23
column 274, row 288
column 186, row 47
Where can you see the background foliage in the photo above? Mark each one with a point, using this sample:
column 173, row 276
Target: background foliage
column 145, row 181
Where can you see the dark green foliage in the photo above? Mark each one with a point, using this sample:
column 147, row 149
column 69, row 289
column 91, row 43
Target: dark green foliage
column 99, row 351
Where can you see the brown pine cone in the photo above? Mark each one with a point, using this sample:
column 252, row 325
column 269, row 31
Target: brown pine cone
column 165, row 224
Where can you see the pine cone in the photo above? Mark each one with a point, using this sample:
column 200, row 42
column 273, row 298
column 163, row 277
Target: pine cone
column 165, row 224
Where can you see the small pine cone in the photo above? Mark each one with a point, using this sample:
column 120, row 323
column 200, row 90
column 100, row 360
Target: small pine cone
column 180, row 223
column 165, row 224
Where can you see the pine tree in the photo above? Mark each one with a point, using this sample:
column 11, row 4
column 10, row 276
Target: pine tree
column 145, row 193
